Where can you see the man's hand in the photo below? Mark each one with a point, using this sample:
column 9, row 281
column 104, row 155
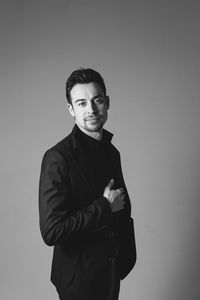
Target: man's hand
column 115, row 197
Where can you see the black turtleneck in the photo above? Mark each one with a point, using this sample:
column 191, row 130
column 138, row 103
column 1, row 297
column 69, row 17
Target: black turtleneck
column 96, row 154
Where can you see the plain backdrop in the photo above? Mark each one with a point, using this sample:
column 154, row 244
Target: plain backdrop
column 148, row 53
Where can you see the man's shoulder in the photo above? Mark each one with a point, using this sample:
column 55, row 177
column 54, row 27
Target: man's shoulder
column 61, row 148
column 66, row 142
column 114, row 149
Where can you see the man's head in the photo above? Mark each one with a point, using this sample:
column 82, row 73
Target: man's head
column 83, row 76
column 87, row 100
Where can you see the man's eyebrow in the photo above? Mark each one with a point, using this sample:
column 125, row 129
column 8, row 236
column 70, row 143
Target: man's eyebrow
column 97, row 96
column 78, row 100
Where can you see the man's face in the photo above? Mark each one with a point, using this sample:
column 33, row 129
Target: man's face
column 89, row 106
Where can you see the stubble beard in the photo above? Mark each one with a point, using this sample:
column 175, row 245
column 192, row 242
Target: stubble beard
column 96, row 126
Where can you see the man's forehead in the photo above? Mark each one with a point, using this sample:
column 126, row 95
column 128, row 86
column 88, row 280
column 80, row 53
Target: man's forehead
column 85, row 90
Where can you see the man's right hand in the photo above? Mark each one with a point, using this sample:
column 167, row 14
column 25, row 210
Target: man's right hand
column 115, row 197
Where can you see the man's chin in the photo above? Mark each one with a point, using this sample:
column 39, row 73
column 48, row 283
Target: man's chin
column 94, row 128
column 94, row 125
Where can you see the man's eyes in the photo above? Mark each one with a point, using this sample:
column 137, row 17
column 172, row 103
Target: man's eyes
column 96, row 100
column 99, row 100
column 81, row 103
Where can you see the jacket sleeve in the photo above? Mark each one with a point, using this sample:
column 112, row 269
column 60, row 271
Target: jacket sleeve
column 58, row 220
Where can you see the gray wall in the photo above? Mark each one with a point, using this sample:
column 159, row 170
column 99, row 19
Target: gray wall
column 148, row 53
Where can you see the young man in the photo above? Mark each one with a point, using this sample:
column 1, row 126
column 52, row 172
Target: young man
column 85, row 211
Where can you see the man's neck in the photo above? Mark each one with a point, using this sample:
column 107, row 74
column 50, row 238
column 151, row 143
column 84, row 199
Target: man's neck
column 97, row 135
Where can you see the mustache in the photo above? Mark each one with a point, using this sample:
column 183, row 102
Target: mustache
column 91, row 117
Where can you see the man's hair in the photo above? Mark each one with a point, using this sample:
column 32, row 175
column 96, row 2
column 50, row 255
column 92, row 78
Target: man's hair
column 83, row 76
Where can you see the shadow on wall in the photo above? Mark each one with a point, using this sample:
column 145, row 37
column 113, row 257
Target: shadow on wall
column 184, row 281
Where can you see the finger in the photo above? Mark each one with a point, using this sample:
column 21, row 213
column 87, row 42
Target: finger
column 121, row 190
column 118, row 192
column 111, row 183
column 123, row 196
column 122, row 202
column 120, row 195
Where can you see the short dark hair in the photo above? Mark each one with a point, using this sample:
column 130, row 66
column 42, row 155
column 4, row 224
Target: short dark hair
column 83, row 75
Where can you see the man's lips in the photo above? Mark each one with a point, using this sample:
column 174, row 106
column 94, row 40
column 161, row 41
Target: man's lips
column 92, row 119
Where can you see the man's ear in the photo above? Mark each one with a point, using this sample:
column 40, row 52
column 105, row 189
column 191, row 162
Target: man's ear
column 108, row 101
column 71, row 110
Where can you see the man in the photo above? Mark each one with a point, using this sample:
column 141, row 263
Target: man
column 83, row 202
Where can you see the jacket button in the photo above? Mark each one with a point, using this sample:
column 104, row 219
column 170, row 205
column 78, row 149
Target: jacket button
column 111, row 260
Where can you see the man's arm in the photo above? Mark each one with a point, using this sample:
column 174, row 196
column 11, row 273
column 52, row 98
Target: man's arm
column 58, row 222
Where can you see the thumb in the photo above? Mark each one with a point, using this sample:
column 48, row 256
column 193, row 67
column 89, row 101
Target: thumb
column 110, row 184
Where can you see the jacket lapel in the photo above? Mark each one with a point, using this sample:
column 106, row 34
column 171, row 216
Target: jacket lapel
column 76, row 154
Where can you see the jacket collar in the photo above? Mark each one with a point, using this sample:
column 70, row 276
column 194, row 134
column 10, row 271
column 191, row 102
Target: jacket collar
column 106, row 136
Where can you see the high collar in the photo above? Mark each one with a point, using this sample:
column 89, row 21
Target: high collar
column 78, row 135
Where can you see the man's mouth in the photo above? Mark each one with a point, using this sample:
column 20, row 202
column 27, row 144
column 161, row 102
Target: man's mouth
column 92, row 119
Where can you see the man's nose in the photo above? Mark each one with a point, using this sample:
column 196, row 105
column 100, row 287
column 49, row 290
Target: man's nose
column 92, row 107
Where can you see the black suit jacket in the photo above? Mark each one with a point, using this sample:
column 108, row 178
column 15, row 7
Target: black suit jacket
column 71, row 218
